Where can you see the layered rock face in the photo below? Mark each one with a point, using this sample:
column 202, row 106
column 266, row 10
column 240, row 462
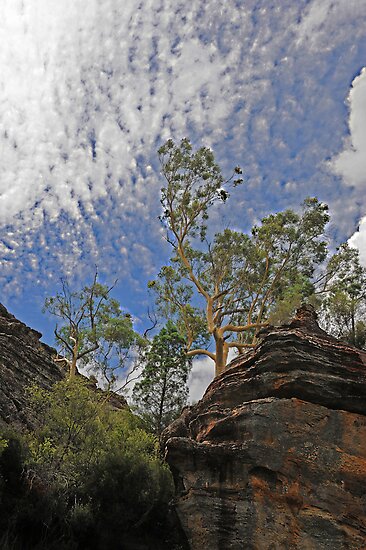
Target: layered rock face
column 24, row 361
column 274, row 455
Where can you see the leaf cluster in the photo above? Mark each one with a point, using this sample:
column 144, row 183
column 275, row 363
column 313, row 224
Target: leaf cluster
column 193, row 183
column 75, row 472
column 162, row 390
column 343, row 289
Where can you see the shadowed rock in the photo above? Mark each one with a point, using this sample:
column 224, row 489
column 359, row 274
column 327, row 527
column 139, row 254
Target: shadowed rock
column 25, row 361
column 274, row 455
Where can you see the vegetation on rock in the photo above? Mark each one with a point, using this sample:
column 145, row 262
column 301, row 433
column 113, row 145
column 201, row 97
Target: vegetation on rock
column 85, row 478
column 228, row 288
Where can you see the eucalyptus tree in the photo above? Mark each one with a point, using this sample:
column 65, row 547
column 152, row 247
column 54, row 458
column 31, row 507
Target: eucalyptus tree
column 91, row 327
column 226, row 289
column 344, row 287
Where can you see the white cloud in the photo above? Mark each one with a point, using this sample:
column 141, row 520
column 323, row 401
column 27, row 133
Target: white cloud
column 351, row 162
column 358, row 240
column 202, row 373
column 323, row 17
column 88, row 93
column 84, row 96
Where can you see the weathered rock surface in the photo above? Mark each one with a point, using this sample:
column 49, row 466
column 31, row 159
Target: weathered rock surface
column 24, row 360
column 274, row 455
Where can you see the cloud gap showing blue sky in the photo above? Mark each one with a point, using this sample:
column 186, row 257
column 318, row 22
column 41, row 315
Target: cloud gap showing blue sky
column 89, row 91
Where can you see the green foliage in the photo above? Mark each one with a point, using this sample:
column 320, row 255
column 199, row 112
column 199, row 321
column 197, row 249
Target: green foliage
column 194, row 184
column 93, row 329
column 75, row 472
column 225, row 290
column 174, row 297
column 344, row 288
column 162, row 391
column 3, row 445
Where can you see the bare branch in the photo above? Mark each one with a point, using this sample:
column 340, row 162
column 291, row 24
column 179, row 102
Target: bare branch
column 153, row 319
column 59, row 337
column 89, row 350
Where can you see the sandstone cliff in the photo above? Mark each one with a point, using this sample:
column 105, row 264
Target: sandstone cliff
column 274, row 455
column 24, row 361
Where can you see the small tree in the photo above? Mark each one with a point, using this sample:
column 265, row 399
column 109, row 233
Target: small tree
column 162, row 390
column 93, row 327
column 84, row 457
column 228, row 289
column 344, row 305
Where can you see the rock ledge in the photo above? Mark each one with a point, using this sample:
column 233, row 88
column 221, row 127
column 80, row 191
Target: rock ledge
column 274, row 455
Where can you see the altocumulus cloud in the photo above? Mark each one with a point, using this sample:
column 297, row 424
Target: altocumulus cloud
column 88, row 91
column 351, row 162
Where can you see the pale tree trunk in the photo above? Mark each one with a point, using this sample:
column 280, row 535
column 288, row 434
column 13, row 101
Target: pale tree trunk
column 74, row 359
column 353, row 336
column 222, row 350
column 161, row 407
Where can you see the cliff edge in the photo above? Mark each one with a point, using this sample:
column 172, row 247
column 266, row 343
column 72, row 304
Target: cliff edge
column 274, row 455
column 24, row 361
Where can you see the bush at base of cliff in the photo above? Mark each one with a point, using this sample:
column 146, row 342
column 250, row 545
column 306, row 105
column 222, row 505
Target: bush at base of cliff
column 86, row 477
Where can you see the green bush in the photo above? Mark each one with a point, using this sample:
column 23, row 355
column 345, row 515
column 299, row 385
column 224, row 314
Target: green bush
column 85, row 478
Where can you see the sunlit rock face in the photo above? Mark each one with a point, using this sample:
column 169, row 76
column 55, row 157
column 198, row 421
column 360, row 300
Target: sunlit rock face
column 274, row 455
column 24, row 361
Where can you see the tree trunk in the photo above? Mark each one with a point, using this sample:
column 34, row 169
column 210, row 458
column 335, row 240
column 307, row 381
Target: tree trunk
column 161, row 407
column 72, row 372
column 353, row 327
column 222, row 350
column 74, row 359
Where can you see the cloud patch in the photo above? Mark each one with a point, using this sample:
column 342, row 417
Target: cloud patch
column 88, row 94
column 350, row 164
column 358, row 240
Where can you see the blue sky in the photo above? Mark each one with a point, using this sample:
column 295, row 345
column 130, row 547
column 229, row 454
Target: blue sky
column 88, row 92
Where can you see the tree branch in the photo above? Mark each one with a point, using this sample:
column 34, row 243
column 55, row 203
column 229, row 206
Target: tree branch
column 59, row 337
column 194, row 352
column 243, row 328
column 89, row 350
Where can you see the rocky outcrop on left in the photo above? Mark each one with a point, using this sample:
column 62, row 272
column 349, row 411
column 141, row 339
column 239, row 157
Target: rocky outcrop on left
column 24, row 361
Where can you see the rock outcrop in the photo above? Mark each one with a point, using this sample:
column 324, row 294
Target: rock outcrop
column 24, row 361
column 274, row 455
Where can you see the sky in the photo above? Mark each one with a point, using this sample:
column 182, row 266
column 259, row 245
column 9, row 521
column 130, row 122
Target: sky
column 89, row 91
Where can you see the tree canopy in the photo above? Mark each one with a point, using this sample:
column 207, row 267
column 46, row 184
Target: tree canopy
column 227, row 288
column 161, row 391
column 92, row 327
column 344, row 304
